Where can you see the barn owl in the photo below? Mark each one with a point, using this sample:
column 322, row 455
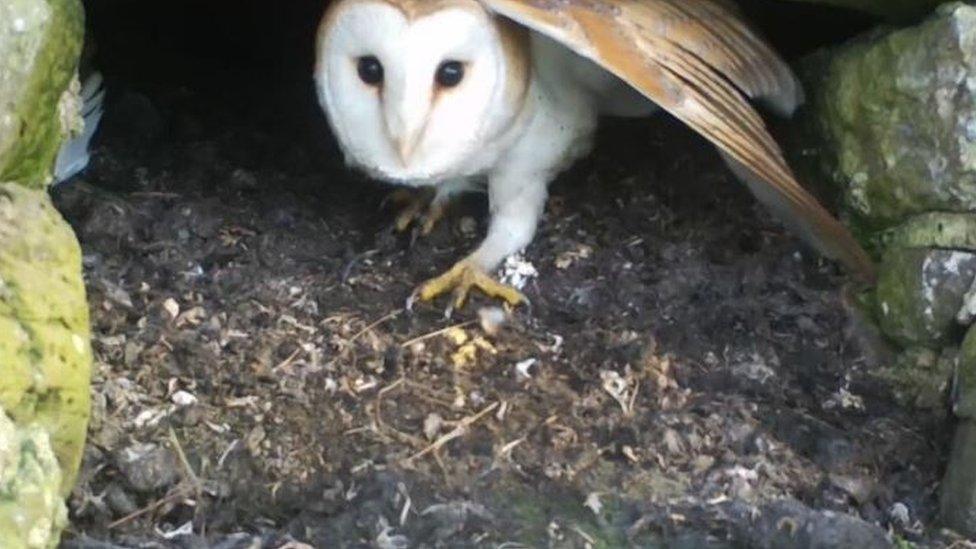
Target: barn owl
column 450, row 94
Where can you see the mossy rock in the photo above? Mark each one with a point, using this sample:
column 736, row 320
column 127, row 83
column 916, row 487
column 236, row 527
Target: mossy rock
column 44, row 331
column 920, row 293
column 891, row 120
column 953, row 231
column 964, row 402
column 32, row 510
column 40, row 42
column 958, row 490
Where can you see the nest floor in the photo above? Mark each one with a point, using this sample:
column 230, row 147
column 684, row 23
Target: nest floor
column 684, row 364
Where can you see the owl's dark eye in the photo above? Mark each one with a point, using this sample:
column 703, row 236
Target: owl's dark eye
column 370, row 70
column 449, row 74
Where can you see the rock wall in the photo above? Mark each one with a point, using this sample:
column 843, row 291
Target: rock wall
column 45, row 356
column 898, row 113
column 40, row 41
column 891, row 123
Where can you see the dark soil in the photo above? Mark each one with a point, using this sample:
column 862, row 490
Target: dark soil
column 258, row 382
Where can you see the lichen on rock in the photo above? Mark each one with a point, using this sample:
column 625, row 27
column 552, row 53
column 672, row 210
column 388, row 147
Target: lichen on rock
column 40, row 42
column 920, row 293
column 956, row 231
column 896, row 116
column 32, row 509
column 44, row 331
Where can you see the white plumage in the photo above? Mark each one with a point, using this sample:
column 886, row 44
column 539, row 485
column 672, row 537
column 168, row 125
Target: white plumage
column 75, row 153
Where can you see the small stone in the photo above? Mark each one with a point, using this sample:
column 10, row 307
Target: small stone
column 673, row 442
column 240, row 541
column 523, row 369
column 468, row 226
column 432, row 426
column 120, row 501
column 789, row 524
column 702, row 463
column 492, row 319
column 451, row 518
column 858, row 487
column 900, row 514
column 172, row 308
column 148, row 467
column 117, row 294
column 593, row 503
column 183, row 398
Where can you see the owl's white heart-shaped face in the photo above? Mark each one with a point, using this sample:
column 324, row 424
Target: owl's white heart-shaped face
column 410, row 96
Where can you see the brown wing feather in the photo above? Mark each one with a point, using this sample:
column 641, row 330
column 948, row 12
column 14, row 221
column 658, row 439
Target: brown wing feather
column 699, row 61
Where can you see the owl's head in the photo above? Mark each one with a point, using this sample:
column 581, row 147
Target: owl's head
column 413, row 89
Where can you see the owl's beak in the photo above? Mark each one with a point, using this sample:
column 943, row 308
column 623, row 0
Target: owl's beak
column 405, row 147
column 405, row 112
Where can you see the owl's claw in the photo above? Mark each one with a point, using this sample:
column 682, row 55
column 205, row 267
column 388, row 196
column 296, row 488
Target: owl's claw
column 418, row 206
column 435, row 212
column 460, row 280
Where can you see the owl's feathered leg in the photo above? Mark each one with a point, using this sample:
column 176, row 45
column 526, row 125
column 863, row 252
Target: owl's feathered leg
column 516, row 206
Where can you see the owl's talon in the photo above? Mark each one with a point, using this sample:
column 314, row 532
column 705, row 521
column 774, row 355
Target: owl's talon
column 460, row 280
column 409, row 214
column 435, row 212
column 418, row 207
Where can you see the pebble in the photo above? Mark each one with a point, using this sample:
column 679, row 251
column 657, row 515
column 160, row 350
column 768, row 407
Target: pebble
column 789, row 524
column 148, row 467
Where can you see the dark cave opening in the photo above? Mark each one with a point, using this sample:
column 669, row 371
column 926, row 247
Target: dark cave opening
column 184, row 41
column 251, row 61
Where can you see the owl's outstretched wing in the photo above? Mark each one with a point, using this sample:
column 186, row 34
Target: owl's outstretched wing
column 699, row 61
column 75, row 153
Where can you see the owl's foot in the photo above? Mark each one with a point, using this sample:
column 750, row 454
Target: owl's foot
column 418, row 206
column 460, row 280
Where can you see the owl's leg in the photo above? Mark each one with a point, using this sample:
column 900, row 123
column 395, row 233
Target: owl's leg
column 516, row 206
column 426, row 206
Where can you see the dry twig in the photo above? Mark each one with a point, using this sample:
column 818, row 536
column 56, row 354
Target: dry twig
column 386, row 318
column 455, row 433
column 436, row 333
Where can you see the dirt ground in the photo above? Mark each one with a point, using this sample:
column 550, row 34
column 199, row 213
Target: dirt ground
column 688, row 375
